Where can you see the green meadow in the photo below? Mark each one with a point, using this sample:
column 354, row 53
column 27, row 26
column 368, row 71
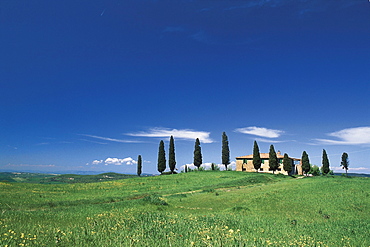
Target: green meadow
column 208, row 208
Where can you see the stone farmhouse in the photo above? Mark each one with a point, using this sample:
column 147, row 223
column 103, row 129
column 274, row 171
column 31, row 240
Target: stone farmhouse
column 245, row 163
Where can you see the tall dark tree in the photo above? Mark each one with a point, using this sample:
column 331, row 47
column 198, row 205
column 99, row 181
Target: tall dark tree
column 139, row 165
column 197, row 154
column 325, row 169
column 225, row 151
column 287, row 164
column 273, row 161
column 171, row 155
column 161, row 158
column 306, row 167
column 256, row 157
column 345, row 162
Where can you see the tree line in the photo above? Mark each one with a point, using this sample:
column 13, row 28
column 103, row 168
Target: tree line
column 225, row 157
column 197, row 156
column 287, row 164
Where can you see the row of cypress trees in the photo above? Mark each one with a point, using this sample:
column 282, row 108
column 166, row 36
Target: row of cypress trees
column 161, row 165
column 287, row 163
column 197, row 159
column 257, row 161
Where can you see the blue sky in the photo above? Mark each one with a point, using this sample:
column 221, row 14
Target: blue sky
column 90, row 85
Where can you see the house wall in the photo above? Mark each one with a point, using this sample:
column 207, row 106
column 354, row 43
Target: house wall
column 248, row 167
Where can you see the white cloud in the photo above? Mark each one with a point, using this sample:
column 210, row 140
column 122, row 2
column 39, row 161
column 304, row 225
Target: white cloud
column 350, row 136
column 258, row 131
column 186, row 134
column 115, row 161
column 267, row 140
column 109, row 139
column 97, row 162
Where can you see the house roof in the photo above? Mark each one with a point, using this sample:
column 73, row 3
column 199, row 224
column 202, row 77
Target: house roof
column 265, row 156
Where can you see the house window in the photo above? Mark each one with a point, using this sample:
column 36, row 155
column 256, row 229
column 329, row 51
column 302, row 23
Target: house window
column 261, row 169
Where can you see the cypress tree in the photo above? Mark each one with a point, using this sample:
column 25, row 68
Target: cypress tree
column 186, row 169
column 256, row 157
column 273, row 161
column 325, row 169
column 197, row 154
column 345, row 162
column 161, row 158
column 306, row 167
column 287, row 163
column 225, row 151
column 139, row 165
column 171, row 154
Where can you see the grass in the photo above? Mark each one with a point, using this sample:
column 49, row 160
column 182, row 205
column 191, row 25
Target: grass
column 193, row 209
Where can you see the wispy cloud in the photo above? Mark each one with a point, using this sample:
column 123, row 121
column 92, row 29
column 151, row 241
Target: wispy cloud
column 350, row 136
column 114, row 161
column 110, row 139
column 85, row 140
column 185, row 134
column 259, row 131
column 267, row 140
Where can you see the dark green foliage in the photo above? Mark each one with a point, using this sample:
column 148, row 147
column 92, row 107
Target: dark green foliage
column 273, row 161
column 161, row 158
column 186, row 168
column 345, row 162
column 155, row 199
column 306, row 167
column 171, row 154
column 287, row 163
column 225, row 151
column 168, row 173
column 215, row 167
column 256, row 157
column 139, row 165
column 315, row 170
column 197, row 154
column 325, row 169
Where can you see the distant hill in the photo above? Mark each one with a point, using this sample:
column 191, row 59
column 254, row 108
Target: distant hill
column 354, row 175
column 26, row 177
column 73, row 178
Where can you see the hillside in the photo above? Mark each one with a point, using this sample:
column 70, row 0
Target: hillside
column 25, row 177
column 193, row 209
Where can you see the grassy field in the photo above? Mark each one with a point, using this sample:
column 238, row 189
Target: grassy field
column 194, row 209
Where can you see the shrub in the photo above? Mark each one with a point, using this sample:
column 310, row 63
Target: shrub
column 155, row 199
column 315, row 170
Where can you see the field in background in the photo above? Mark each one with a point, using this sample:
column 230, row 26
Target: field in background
column 206, row 208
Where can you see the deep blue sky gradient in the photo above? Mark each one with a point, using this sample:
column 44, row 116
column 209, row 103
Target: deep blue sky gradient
column 72, row 71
